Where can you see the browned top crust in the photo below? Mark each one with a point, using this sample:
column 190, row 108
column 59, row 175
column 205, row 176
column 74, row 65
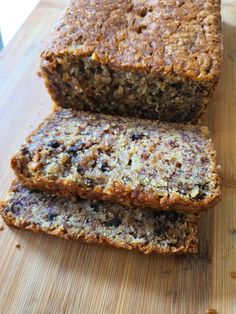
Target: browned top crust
column 175, row 37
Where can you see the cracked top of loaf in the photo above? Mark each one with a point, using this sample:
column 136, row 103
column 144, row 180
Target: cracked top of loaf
column 176, row 37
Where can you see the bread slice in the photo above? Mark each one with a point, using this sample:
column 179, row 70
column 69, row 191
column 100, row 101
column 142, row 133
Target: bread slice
column 129, row 161
column 101, row 223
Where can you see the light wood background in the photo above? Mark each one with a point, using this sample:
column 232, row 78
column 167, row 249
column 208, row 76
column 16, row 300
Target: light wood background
column 50, row 275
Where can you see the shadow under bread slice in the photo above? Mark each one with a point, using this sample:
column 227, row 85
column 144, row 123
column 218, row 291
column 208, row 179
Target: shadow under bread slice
column 100, row 223
column 130, row 161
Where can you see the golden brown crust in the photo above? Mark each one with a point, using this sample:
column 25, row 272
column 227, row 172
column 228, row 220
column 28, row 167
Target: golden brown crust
column 119, row 195
column 163, row 36
column 35, row 211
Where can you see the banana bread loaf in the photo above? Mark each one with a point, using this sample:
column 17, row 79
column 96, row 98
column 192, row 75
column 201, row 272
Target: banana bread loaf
column 152, row 59
column 129, row 161
column 97, row 222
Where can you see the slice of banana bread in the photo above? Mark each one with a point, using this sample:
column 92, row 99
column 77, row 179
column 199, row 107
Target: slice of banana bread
column 129, row 161
column 101, row 223
column 152, row 59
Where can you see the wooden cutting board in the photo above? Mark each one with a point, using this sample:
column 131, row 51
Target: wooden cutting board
column 50, row 275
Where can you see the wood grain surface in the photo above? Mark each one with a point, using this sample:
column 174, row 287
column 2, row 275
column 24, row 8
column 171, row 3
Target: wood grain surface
column 50, row 275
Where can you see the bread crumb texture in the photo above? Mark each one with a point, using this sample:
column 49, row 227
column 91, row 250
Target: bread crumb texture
column 101, row 223
column 129, row 161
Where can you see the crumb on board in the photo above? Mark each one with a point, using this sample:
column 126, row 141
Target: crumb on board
column 18, row 245
column 210, row 311
column 233, row 274
column 1, row 227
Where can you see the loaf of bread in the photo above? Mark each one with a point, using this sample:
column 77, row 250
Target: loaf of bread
column 101, row 223
column 129, row 161
column 151, row 59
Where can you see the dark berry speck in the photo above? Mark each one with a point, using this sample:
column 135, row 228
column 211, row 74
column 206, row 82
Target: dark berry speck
column 105, row 167
column 51, row 216
column 95, row 207
column 77, row 147
column 114, row 222
column 137, row 136
column 54, row 144
column 80, row 170
column 177, row 85
column 25, row 151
